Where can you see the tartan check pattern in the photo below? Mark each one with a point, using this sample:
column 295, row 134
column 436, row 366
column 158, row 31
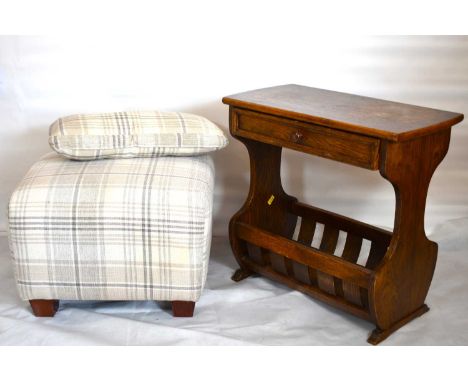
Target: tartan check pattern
column 121, row 229
column 134, row 134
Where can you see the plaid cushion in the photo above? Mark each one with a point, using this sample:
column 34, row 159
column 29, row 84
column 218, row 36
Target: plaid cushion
column 134, row 134
column 122, row 229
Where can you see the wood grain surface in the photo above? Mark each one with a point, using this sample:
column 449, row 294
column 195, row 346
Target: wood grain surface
column 368, row 116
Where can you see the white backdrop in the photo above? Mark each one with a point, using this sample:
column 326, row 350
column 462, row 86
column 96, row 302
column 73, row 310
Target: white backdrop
column 43, row 78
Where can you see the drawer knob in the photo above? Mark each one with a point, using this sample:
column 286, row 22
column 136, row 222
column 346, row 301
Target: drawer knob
column 297, row 137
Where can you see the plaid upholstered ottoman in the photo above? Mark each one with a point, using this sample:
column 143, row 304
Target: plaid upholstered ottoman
column 112, row 229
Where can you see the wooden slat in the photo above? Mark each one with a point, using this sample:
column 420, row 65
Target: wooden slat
column 352, row 292
column 329, row 239
column 306, row 235
column 376, row 254
column 324, row 262
column 254, row 253
column 292, row 221
column 312, row 276
column 342, row 223
column 265, row 256
column 352, row 248
column 309, row 289
column 277, row 263
column 288, row 265
column 325, row 281
column 301, row 272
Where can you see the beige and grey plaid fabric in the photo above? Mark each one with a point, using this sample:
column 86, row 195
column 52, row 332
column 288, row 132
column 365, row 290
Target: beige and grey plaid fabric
column 134, row 134
column 120, row 229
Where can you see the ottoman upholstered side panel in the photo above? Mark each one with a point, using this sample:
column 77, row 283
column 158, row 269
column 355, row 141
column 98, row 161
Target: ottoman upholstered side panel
column 121, row 229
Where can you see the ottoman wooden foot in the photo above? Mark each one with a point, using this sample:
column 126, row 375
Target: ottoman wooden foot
column 183, row 308
column 44, row 308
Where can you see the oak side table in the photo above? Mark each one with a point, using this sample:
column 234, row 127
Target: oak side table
column 404, row 142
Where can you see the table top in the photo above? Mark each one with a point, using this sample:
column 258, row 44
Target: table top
column 363, row 115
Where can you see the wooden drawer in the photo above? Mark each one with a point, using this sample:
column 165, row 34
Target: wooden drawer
column 323, row 141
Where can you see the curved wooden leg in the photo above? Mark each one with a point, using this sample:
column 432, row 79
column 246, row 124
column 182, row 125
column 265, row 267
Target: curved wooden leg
column 378, row 335
column 241, row 274
column 266, row 205
column 183, row 308
column 404, row 275
column 44, row 308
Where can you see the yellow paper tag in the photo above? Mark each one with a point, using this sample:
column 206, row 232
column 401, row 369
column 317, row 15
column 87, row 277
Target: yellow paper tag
column 270, row 201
